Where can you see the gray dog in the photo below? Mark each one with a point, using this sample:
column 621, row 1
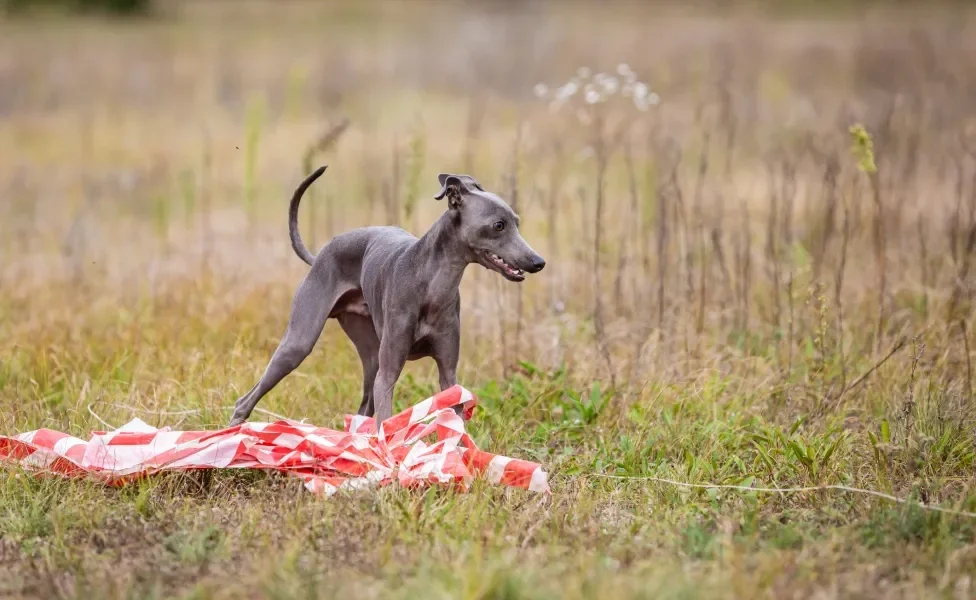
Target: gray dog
column 394, row 295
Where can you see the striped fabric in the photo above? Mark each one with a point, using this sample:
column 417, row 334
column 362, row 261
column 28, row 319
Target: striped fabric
column 422, row 445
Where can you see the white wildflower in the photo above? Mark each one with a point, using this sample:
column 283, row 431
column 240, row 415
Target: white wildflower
column 567, row 91
column 654, row 99
column 611, row 85
column 623, row 69
column 592, row 97
column 540, row 90
column 641, row 90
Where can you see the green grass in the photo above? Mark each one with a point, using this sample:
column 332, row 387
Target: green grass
column 145, row 269
column 217, row 534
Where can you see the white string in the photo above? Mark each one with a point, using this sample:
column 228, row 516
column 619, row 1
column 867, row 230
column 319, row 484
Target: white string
column 951, row 511
column 269, row 413
column 99, row 419
column 190, row 411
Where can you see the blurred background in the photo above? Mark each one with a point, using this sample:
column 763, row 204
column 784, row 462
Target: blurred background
column 759, row 221
column 690, row 172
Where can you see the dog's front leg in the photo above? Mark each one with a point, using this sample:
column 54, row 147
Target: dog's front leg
column 447, row 349
column 394, row 350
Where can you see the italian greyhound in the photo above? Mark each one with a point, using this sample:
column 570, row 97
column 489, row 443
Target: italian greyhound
column 394, row 295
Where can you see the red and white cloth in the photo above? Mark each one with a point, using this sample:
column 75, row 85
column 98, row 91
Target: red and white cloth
column 326, row 460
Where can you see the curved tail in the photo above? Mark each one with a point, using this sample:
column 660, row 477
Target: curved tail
column 296, row 238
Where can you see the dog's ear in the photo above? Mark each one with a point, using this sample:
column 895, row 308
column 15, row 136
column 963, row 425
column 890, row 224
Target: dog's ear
column 470, row 182
column 453, row 187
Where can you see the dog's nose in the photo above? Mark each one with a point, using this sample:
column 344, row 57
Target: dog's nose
column 537, row 264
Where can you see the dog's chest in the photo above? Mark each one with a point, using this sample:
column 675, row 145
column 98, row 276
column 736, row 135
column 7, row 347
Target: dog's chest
column 436, row 318
column 427, row 327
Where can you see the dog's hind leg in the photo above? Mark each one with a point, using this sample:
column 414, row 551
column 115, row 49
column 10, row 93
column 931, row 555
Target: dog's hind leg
column 360, row 331
column 313, row 302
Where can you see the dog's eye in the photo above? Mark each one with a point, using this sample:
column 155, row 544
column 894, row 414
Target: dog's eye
column 499, row 225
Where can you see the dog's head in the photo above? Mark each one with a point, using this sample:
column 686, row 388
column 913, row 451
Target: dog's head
column 488, row 226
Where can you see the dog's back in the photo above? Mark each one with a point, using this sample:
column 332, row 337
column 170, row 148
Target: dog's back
column 370, row 249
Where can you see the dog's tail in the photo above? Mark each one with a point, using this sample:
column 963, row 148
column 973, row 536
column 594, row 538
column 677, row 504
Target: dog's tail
column 296, row 238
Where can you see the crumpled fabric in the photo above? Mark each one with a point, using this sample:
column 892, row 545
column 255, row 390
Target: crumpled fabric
column 327, row 460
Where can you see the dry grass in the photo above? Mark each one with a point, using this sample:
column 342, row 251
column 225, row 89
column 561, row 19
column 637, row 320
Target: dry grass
column 739, row 289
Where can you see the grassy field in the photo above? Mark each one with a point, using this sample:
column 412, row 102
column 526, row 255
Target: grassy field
column 760, row 273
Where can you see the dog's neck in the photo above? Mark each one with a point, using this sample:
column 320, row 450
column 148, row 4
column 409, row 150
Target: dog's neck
column 442, row 256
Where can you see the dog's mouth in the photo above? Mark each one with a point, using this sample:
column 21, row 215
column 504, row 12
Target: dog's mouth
column 498, row 263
